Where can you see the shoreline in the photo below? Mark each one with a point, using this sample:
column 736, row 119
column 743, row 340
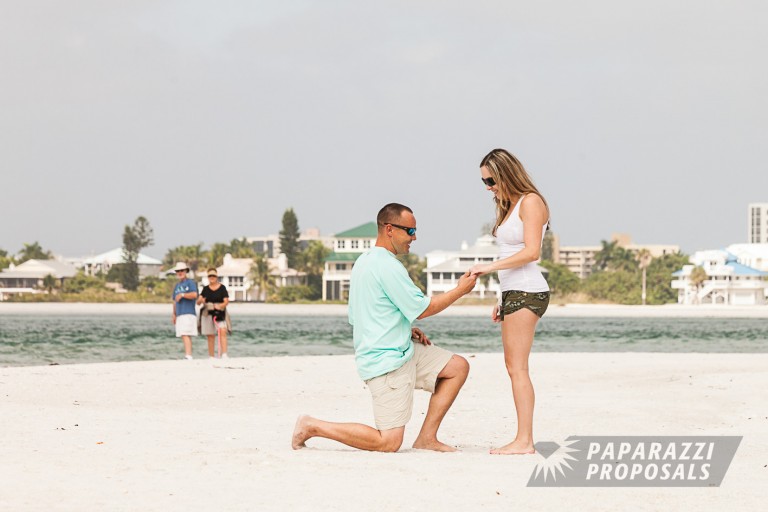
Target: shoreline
column 261, row 309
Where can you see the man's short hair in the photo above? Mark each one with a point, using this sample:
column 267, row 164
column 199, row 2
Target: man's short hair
column 391, row 213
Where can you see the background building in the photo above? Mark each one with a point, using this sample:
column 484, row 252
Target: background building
column 148, row 266
column 751, row 255
column 236, row 274
column 581, row 258
column 347, row 247
column 728, row 281
column 757, row 223
column 28, row 277
column 444, row 268
column 578, row 258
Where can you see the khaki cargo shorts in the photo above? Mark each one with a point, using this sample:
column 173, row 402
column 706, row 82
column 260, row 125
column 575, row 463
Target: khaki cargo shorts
column 393, row 392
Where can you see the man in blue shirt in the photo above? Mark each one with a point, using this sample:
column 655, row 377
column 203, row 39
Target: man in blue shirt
column 392, row 357
column 184, row 297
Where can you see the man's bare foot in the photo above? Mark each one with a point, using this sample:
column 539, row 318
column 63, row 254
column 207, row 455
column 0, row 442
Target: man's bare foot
column 433, row 445
column 300, row 432
column 515, row 448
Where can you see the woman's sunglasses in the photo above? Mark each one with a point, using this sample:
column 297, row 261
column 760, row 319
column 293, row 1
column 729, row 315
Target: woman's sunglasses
column 410, row 231
column 489, row 182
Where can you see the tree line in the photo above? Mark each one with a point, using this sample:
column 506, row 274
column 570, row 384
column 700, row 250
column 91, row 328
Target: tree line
column 309, row 259
column 617, row 275
column 31, row 251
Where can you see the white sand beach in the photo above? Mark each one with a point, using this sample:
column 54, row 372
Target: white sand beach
column 240, row 308
column 178, row 435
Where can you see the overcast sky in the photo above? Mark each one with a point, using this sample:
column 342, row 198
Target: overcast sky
column 211, row 118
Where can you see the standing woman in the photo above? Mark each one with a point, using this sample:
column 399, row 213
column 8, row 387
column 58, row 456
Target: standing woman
column 522, row 217
column 213, row 315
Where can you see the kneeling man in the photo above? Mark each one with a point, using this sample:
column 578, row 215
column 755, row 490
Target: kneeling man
column 392, row 357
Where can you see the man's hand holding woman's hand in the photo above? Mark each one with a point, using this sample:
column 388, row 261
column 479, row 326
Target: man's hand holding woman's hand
column 467, row 282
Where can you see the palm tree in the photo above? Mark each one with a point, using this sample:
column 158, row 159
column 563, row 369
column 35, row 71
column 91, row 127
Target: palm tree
column 644, row 259
column 192, row 255
column 5, row 260
column 260, row 275
column 241, row 248
column 217, row 253
column 605, row 255
column 50, row 283
column 312, row 261
column 33, row 251
column 697, row 277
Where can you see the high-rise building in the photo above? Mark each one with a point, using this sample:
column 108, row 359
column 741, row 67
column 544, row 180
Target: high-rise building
column 757, row 223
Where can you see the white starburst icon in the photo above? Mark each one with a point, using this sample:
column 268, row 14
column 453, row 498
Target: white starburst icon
column 556, row 458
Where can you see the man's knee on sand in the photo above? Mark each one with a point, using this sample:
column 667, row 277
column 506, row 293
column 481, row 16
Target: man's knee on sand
column 391, row 439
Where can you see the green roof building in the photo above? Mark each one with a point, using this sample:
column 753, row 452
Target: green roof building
column 347, row 246
column 368, row 230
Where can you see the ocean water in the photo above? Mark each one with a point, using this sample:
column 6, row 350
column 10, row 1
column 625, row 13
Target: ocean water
column 64, row 339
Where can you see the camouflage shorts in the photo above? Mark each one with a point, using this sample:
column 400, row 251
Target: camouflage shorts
column 514, row 300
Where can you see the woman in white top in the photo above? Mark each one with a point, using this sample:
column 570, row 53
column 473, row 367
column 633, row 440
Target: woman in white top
column 522, row 217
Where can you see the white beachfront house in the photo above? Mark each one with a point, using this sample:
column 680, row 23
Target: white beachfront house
column 728, row 281
column 28, row 277
column 235, row 274
column 751, row 255
column 347, row 247
column 93, row 265
column 444, row 268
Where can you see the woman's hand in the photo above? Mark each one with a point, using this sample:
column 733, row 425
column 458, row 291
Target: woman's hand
column 495, row 314
column 480, row 269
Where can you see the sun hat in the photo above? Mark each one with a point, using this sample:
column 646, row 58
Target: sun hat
column 212, row 272
column 181, row 266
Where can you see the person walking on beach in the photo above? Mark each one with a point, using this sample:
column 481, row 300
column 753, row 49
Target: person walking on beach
column 213, row 316
column 392, row 357
column 522, row 217
column 184, row 296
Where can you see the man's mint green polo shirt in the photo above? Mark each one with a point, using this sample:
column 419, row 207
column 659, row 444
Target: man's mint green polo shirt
column 383, row 302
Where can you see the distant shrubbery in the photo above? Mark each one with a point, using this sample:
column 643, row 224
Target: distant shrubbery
column 82, row 288
column 561, row 280
column 81, row 283
column 297, row 293
column 617, row 278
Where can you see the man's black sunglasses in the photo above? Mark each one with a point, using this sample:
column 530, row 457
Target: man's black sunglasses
column 489, row 182
column 410, row 231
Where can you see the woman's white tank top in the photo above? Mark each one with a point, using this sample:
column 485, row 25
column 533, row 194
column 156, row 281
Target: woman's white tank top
column 509, row 237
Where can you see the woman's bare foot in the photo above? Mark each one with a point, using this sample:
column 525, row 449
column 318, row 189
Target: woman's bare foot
column 433, row 445
column 301, row 432
column 515, row 448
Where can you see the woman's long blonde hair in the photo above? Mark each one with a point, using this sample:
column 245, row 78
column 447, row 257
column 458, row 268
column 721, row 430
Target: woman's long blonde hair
column 512, row 181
